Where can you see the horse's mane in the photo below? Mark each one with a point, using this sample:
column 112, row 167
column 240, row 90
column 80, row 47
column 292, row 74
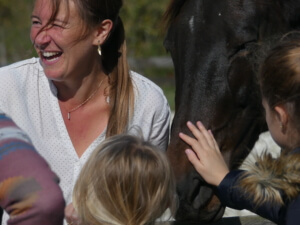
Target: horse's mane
column 172, row 11
column 174, row 7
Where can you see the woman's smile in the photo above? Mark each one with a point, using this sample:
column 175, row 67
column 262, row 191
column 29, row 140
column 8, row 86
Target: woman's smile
column 50, row 57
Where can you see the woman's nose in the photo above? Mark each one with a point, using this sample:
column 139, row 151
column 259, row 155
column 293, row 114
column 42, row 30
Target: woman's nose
column 42, row 39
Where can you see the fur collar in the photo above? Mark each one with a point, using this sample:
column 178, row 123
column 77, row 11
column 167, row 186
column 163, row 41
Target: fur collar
column 272, row 180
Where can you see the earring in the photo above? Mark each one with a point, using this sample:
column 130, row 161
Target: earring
column 107, row 98
column 99, row 49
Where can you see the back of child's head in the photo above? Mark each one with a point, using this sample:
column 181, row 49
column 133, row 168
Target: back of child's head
column 280, row 75
column 126, row 181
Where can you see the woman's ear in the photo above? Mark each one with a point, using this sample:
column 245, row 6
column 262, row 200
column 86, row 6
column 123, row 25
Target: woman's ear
column 102, row 32
column 282, row 116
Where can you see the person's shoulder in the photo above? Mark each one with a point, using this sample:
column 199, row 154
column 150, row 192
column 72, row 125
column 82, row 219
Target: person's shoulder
column 142, row 83
column 148, row 95
column 20, row 65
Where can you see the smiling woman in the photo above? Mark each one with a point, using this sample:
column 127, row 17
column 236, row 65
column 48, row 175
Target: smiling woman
column 60, row 46
column 79, row 90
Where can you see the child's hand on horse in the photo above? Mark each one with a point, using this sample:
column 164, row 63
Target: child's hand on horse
column 205, row 154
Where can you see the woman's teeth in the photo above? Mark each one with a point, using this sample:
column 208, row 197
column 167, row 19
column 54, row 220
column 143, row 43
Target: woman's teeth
column 51, row 56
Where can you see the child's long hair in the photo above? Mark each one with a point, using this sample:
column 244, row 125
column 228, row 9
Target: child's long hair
column 126, row 181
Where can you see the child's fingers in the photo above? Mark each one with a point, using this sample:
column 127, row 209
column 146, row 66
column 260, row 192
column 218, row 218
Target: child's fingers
column 216, row 146
column 199, row 134
column 208, row 137
column 202, row 135
column 192, row 157
column 195, row 144
column 190, row 141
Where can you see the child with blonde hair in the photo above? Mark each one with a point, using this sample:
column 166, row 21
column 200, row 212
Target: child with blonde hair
column 126, row 181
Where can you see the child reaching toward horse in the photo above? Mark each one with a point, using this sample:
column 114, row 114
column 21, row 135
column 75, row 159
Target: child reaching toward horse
column 270, row 187
column 126, row 181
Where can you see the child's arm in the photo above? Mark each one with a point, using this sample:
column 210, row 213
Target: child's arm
column 209, row 163
column 205, row 154
column 29, row 190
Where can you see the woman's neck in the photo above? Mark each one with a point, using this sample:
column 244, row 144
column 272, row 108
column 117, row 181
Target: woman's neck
column 74, row 92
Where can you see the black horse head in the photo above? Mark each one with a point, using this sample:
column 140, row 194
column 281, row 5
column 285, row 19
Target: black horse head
column 216, row 46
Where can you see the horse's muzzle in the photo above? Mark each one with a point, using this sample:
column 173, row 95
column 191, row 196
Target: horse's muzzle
column 197, row 202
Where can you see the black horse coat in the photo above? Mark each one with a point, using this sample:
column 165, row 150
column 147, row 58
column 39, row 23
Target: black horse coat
column 216, row 47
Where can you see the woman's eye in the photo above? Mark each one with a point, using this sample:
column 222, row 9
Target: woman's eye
column 35, row 22
column 58, row 25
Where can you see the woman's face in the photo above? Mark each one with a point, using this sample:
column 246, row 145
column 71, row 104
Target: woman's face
column 62, row 53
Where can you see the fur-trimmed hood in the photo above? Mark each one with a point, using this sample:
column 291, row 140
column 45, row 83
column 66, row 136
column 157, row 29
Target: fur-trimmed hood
column 272, row 180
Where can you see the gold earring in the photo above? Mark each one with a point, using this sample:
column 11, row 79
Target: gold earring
column 99, row 49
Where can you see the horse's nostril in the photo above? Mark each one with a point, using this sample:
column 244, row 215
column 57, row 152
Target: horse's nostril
column 200, row 193
column 196, row 185
column 197, row 200
column 203, row 196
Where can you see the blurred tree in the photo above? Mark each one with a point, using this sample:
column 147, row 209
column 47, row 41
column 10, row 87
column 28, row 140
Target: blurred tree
column 143, row 24
column 142, row 20
column 14, row 30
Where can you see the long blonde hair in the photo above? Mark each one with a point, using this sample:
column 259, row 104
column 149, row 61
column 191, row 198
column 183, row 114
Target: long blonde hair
column 126, row 181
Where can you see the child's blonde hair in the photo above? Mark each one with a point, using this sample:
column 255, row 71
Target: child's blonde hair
column 126, row 181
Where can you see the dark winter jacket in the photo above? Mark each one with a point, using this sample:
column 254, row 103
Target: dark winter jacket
column 269, row 188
